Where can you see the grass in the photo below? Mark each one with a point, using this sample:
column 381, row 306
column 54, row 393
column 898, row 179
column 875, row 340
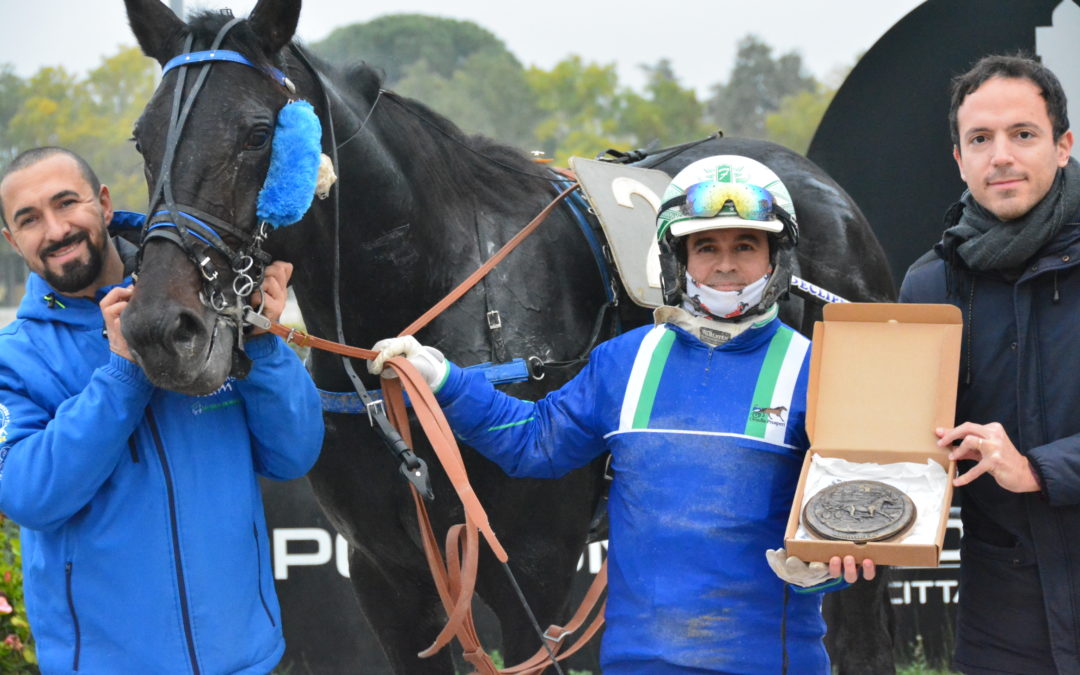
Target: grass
column 919, row 665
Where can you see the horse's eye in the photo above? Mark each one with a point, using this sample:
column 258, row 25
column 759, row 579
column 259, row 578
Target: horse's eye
column 257, row 138
column 138, row 147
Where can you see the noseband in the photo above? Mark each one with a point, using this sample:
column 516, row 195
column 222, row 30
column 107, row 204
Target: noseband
column 198, row 233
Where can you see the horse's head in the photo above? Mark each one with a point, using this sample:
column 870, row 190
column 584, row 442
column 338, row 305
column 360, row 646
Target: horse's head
column 206, row 138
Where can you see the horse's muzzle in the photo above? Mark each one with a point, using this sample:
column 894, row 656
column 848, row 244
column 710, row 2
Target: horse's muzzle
column 180, row 349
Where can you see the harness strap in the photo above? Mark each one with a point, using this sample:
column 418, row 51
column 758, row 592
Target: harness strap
column 192, row 58
column 578, row 206
column 455, row 579
column 437, row 429
column 350, row 403
column 192, row 229
column 180, row 109
column 201, row 224
column 455, row 576
column 445, row 446
column 482, row 271
column 556, row 635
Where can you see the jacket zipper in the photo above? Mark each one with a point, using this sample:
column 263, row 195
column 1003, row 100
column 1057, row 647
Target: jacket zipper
column 258, row 559
column 74, row 616
column 180, row 583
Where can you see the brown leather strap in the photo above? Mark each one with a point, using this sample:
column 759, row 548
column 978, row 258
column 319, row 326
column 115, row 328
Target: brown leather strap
column 302, row 339
column 454, row 586
column 565, row 172
column 463, row 288
column 455, row 579
column 455, row 576
column 442, row 440
column 556, row 635
column 451, row 588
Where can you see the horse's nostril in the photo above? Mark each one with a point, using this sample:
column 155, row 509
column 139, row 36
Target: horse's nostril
column 186, row 329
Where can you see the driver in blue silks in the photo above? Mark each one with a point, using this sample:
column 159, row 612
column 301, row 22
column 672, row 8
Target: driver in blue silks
column 144, row 544
column 703, row 414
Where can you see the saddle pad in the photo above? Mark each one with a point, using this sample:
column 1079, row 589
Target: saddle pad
column 626, row 199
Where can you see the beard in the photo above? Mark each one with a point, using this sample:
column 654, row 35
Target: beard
column 74, row 275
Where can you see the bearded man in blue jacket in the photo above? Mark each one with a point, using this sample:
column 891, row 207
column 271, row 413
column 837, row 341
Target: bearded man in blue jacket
column 703, row 414
column 144, row 544
column 1009, row 259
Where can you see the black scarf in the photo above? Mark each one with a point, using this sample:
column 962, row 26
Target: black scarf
column 985, row 243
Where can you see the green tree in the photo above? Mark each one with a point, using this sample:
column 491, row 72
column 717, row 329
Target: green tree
column 757, row 85
column 798, row 117
column 12, row 93
column 395, row 42
column 581, row 105
column 93, row 116
column 118, row 91
column 487, row 95
column 455, row 67
column 48, row 112
column 668, row 114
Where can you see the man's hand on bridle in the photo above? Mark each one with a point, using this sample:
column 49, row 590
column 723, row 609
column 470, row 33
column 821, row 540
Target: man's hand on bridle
column 112, row 306
column 273, row 294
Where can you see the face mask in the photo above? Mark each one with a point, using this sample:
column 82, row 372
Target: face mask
column 701, row 300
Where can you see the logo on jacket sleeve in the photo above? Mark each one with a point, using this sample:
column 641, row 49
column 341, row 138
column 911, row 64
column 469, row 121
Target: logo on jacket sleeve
column 5, row 418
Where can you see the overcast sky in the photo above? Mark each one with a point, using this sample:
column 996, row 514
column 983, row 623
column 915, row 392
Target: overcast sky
column 698, row 36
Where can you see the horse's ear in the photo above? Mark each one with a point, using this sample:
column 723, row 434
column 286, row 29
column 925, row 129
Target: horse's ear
column 155, row 27
column 274, row 23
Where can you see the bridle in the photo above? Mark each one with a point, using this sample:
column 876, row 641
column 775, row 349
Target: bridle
column 196, row 232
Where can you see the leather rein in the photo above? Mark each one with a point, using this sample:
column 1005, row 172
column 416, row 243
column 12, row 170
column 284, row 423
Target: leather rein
column 455, row 576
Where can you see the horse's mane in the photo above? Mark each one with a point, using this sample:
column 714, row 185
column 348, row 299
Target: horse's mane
column 472, row 163
column 448, row 160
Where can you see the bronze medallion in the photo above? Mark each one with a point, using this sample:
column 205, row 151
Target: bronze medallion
column 859, row 511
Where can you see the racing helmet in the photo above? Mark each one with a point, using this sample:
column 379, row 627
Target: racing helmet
column 726, row 191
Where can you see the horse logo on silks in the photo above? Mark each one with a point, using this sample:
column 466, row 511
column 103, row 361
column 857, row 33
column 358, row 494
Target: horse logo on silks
column 773, row 415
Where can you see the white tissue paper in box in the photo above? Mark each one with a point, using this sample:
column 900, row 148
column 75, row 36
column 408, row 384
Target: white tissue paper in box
column 924, row 483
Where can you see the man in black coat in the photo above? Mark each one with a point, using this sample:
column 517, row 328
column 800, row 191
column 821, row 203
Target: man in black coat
column 1010, row 259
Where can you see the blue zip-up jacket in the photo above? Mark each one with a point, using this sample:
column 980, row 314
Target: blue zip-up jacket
column 706, row 444
column 144, row 545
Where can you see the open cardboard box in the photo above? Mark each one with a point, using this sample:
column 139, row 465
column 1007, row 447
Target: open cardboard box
column 882, row 377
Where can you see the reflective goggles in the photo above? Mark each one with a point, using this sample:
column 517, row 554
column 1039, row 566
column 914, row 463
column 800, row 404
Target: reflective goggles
column 709, row 199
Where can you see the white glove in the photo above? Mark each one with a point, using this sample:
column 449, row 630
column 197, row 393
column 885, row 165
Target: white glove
column 796, row 572
column 428, row 360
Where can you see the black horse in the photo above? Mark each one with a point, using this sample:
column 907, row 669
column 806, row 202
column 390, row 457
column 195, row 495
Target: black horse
column 420, row 205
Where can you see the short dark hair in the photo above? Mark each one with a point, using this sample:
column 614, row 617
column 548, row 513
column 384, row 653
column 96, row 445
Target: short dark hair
column 32, row 156
column 1020, row 66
